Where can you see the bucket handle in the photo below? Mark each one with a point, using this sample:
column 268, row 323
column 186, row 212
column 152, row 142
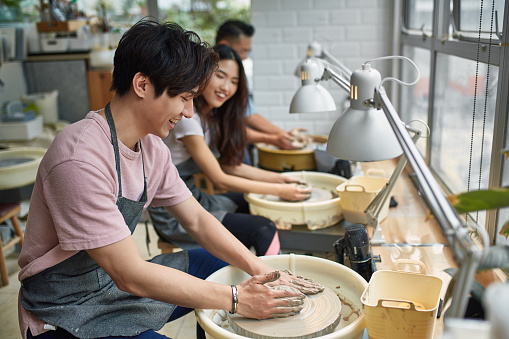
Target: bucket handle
column 375, row 172
column 399, row 262
column 356, row 186
column 390, row 303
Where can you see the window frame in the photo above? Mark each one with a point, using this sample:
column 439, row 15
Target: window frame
column 441, row 41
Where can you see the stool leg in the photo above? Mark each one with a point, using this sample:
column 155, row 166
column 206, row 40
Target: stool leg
column 17, row 229
column 3, row 265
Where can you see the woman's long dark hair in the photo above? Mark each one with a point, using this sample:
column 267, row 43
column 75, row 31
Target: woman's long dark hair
column 227, row 122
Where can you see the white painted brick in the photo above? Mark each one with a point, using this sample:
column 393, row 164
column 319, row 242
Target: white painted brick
column 265, row 5
column 374, row 16
column 267, row 98
column 322, row 128
column 361, row 33
column 261, row 83
column 345, row 49
column 316, row 18
column 267, row 35
column 281, row 83
column 329, row 4
column 282, row 113
column 363, row 4
column 264, row 67
column 334, row 33
column 289, row 66
column 282, row 51
column 282, row 19
column 258, row 19
column 302, row 35
column 346, row 36
column 345, row 17
column 374, row 50
column 259, row 51
column 296, row 4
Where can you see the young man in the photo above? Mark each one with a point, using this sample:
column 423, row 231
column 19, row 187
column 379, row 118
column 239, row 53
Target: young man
column 238, row 35
column 82, row 275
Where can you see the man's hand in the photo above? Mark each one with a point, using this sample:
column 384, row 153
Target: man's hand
column 304, row 285
column 258, row 301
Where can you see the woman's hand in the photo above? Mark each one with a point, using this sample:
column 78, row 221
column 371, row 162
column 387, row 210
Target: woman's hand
column 294, row 192
column 259, row 301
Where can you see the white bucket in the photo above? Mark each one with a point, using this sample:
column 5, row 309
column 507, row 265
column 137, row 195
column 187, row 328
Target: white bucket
column 400, row 305
column 358, row 192
column 345, row 282
column 46, row 103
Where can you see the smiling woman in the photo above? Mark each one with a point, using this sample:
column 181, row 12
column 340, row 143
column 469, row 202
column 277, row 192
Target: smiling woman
column 213, row 142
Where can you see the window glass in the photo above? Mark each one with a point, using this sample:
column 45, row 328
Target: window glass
column 414, row 99
column 116, row 12
column 419, row 13
column 456, row 131
column 469, row 15
column 203, row 16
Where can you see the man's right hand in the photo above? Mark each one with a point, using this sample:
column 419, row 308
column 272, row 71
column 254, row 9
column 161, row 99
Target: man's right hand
column 258, row 301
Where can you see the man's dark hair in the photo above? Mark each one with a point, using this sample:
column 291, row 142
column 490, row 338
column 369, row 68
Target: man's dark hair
column 232, row 29
column 175, row 60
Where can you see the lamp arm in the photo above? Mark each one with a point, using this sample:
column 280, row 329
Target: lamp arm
column 328, row 73
column 375, row 207
column 337, row 63
column 465, row 251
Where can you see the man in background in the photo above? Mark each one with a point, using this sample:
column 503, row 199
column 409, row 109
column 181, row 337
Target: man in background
column 238, row 35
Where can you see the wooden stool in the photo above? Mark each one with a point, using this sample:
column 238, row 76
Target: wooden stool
column 9, row 211
column 205, row 185
column 167, row 247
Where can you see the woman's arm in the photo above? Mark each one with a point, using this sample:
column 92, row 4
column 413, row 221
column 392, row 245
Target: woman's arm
column 204, row 158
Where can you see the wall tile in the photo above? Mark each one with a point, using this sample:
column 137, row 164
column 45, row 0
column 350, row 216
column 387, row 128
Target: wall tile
column 265, row 5
column 303, row 35
column 297, row 4
column 329, row 4
column 313, row 18
column 281, row 19
column 353, row 31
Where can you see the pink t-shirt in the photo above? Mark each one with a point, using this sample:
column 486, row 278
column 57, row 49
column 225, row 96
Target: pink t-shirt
column 73, row 205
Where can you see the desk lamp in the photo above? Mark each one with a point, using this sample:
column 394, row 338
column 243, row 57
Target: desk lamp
column 362, row 133
column 466, row 252
column 316, row 51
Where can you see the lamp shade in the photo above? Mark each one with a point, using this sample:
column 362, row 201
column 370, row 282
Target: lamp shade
column 312, row 98
column 363, row 135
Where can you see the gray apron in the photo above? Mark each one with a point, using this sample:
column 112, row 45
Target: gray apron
column 78, row 296
column 168, row 228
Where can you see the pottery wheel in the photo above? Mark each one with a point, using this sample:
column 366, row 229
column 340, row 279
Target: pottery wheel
column 320, row 316
column 317, row 194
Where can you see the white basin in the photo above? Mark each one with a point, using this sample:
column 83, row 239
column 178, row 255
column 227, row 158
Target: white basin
column 345, row 282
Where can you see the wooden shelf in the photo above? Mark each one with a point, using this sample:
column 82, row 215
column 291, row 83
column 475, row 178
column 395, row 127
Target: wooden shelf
column 60, row 26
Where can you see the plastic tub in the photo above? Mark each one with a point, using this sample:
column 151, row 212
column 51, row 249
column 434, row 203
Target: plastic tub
column 402, row 304
column 314, row 214
column 345, row 282
column 357, row 193
column 18, row 166
column 46, row 103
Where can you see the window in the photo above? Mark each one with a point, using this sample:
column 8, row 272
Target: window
column 419, row 15
column 466, row 14
column 414, row 99
column 463, row 76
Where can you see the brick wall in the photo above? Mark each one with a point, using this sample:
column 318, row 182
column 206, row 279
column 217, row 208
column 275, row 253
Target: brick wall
column 353, row 31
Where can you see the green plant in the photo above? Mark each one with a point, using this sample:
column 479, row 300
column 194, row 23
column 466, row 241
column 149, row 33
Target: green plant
column 495, row 256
